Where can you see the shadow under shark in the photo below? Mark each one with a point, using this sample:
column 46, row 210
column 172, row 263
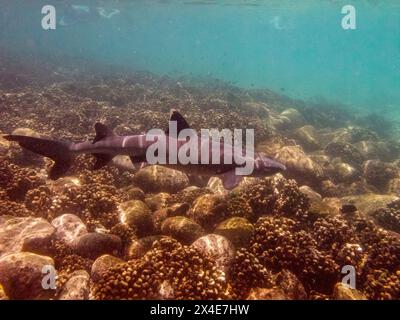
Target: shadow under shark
column 106, row 145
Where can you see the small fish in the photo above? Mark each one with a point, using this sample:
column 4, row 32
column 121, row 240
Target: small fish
column 107, row 145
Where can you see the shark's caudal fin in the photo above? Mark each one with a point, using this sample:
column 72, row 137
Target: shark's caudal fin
column 58, row 151
column 102, row 132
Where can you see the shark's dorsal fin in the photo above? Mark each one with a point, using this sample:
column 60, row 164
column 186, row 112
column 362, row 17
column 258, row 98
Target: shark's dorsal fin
column 102, row 131
column 181, row 123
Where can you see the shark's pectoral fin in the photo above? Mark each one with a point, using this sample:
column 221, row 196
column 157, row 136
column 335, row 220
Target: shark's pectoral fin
column 230, row 180
column 102, row 159
column 102, row 132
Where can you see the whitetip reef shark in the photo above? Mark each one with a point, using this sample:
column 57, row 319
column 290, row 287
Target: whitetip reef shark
column 106, row 145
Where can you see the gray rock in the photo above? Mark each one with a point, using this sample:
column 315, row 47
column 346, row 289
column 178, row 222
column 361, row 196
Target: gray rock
column 308, row 138
column 182, row 229
column 93, row 245
column 216, row 186
column 27, row 233
column 135, row 193
column 139, row 247
column 291, row 285
column 374, row 150
column 370, row 202
column 177, row 209
column 344, row 292
column 69, row 227
column 238, row 230
column 288, row 119
column 310, row 193
column 208, row 210
column 161, row 179
column 157, row 201
column 102, row 264
column 299, row 165
column 346, row 151
column 137, row 215
column 3, row 295
column 77, row 287
column 344, row 172
column 219, row 248
column 21, row 275
column 378, row 173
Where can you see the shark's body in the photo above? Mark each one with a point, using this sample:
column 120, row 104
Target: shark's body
column 107, row 145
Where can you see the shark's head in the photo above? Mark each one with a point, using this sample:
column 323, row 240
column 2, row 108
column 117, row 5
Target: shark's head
column 265, row 166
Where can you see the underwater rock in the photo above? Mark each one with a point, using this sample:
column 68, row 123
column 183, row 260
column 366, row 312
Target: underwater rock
column 182, row 229
column 218, row 248
column 259, row 108
column 188, row 195
column 139, row 247
column 216, row 186
column 267, row 294
column 17, row 234
column 3, row 295
column 394, row 186
column 273, row 144
column 77, row 287
column 324, row 162
column 134, row 193
column 344, row 172
column 389, row 217
column 330, row 189
column 320, row 208
column 369, row 203
column 4, row 146
column 347, row 152
column 102, row 264
column 177, row 209
column 374, row 150
column 378, row 173
column 238, row 230
column 291, row 285
column 69, row 227
column 344, row 292
column 161, row 179
column 336, row 206
column 157, row 201
column 93, row 245
column 289, row 119
column 208, row 210
column 21, row 275
column 310, row 193
column 137, row 215
column 308, row 138
column 299, row 165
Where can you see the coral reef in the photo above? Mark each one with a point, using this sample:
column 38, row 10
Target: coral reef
column 293, row 232
column 169, row 270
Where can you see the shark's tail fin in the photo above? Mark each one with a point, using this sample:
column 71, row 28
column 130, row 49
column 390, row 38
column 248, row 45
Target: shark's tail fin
column 58, row 151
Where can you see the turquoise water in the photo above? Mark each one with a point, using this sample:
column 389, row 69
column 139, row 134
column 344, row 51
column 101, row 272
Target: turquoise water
column 295, row 47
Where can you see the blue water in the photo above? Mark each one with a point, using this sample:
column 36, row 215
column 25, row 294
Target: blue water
column 295, row 47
